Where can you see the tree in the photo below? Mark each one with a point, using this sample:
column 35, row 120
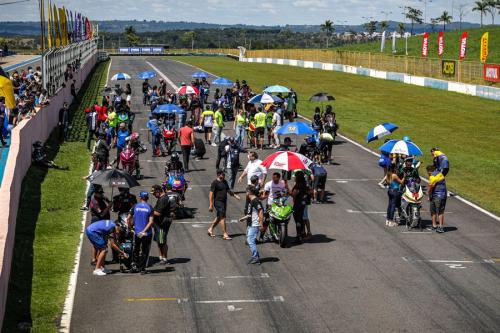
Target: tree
column 370, row 27
column 481, row 7
column 414, row 15
column 328, row 28
column 493, row 5
column 189, row 36
column 434, row 22
column 445, row 18
column 131, row 36
column 401, row 28
column 383, row 25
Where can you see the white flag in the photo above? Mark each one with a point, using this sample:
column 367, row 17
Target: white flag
column 382, row 44
column 394, row 42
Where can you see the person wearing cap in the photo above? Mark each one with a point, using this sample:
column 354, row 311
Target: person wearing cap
column 408, row 171
column 141, row 219
column 218, row 200
column 438, row 194
column 99, row 205
column 441, row 161
column 254, row 216
column 98, row 234
column 162, row 220
column 232, row 160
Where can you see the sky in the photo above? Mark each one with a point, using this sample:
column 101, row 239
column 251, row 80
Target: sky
column 275, row 12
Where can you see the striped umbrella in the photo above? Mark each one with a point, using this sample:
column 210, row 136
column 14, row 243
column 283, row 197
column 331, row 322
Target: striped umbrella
column 287, row 160
column 380, row 131
column 188, row 90
column 120, row 76
column 297, row 128
column 401, row 147
column 277, row 89
column 264, row 99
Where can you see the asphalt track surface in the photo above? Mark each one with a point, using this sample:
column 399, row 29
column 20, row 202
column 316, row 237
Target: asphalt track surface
column 355, row 275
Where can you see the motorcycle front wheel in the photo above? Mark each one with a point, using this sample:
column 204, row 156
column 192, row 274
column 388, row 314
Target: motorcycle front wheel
column 283, row 234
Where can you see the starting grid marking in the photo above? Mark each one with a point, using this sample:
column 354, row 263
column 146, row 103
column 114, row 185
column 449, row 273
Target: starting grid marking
column 455, row 264
column 202, row 224
column 187, row 300
column 232, row 277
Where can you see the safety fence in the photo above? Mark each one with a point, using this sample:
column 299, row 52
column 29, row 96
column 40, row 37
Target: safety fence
column 28, row 131
column 57, row 60
column 459, row 71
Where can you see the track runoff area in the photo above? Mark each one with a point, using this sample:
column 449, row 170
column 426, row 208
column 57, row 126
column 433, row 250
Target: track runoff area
column 353, row 275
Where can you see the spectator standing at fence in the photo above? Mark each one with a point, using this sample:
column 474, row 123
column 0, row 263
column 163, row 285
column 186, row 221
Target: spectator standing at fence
column 63, row 122
column 92, row 128
column 4, row 121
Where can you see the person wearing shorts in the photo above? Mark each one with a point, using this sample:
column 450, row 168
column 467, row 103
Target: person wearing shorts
column 98, row 234
column 437, row 197
column 218, row 201
column 207, row 121
column 319, row 176
column 162, row 220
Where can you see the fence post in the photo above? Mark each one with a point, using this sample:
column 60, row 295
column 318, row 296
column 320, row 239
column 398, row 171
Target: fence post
column 369, row 60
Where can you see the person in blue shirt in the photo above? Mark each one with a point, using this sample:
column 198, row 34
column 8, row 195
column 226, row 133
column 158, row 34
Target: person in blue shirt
column 98, row 234
column 437, row 197
column 141, row 219
column 156, row 135
column 121, row 141
column 441, row 162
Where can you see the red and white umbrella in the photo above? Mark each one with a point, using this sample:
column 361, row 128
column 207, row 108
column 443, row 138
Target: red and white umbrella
column 188, row 90
column 287, row 160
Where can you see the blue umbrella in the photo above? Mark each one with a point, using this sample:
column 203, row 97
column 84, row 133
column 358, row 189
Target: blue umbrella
column 277, row 89
column 401, row 147
column 222, row 81
column 297, row 128
column 168, row 108
column 146, row 75
column 264, row 99
column 380, row 131
column 120, row 76
column 199, row 75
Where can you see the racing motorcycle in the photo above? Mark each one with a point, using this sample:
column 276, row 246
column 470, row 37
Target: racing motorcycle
column 279, row 216
column 178, row 183
column 169, row 135
column 411, row 204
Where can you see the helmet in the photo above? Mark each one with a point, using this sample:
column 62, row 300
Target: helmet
column 310, row 140
column 134, row 136
column 37, row 144
column 406, row 138
column 174, row 157
column 230, row 139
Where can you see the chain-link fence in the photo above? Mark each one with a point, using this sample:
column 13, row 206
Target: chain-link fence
column 461, row 71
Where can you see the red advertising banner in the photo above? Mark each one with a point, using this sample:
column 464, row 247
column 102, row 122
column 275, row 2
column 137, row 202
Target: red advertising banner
column 492, row 73
column 440, row 44
column 425, row 45
column 463, row 45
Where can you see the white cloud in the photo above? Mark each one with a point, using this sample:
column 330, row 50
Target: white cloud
column 311, row 4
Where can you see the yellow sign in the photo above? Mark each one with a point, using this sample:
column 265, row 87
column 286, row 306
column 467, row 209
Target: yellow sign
column 448, row 67
column 484, row 47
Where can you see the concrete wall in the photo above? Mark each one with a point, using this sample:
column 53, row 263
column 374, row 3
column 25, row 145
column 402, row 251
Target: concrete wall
column 38, row 127
column 463, row 88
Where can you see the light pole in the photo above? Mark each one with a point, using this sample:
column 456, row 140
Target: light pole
column 425, row 9
column 386, row 13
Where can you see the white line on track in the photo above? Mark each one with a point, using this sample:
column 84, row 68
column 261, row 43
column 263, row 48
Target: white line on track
column 352, row 179
column 70, row 294
column 274, row 299
column 202, row 222
column 363, row 212
column 260, row 276
column 442, row 261
column 163, row 76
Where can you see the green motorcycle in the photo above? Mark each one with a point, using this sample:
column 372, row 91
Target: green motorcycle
column 279, row 216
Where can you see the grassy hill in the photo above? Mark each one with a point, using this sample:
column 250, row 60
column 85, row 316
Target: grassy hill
column 451, row 49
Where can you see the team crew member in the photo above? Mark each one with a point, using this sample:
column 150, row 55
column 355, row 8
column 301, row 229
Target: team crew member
column 207, row 120
column 141, row 219
column 186, row 140
column 254, row 168
column 218, row 200
column 437, row 197
column 255, row 222
column 162, row 220
column 98, row 234
column 218, row 126
column 319, row 176
column 239, row 127
column 441, row 162
column 273, row 188
column 260, row 128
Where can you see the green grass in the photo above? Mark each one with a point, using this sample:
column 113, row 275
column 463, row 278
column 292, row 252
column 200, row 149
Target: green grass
column 464, row 127
column 48, row 224
column 452, row 45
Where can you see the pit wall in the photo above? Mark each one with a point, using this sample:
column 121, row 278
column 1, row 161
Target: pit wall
column 37, row 128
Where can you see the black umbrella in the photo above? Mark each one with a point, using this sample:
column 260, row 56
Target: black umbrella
column 115, row 178
column 321, row 97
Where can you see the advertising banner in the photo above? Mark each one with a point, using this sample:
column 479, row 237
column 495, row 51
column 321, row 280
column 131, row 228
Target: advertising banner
column 463, row 45
column 440, row 44
column 425, row 45
column 448, row 67
column 492, row 73
column 484, row 47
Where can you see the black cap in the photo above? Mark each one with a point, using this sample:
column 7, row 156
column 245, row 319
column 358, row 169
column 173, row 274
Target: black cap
column 156, row 188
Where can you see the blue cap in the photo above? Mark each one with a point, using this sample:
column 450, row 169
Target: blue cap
column 144, row 195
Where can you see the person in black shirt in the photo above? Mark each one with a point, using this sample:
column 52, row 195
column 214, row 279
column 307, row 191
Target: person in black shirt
column 145, row 91
column 218, row 199
column 63, row 121
column 162, row 220
column 102, row 152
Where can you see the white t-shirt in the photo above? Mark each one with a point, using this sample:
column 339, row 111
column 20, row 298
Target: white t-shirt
column 277, row 119
column 255, row 169
column 273, row 189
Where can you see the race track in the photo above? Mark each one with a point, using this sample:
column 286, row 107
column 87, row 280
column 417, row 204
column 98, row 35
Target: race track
column 354, row 275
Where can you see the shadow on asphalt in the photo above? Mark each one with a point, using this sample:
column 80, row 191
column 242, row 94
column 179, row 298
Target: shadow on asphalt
column 174, row 261
column 269, row 259
column 320, row 238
